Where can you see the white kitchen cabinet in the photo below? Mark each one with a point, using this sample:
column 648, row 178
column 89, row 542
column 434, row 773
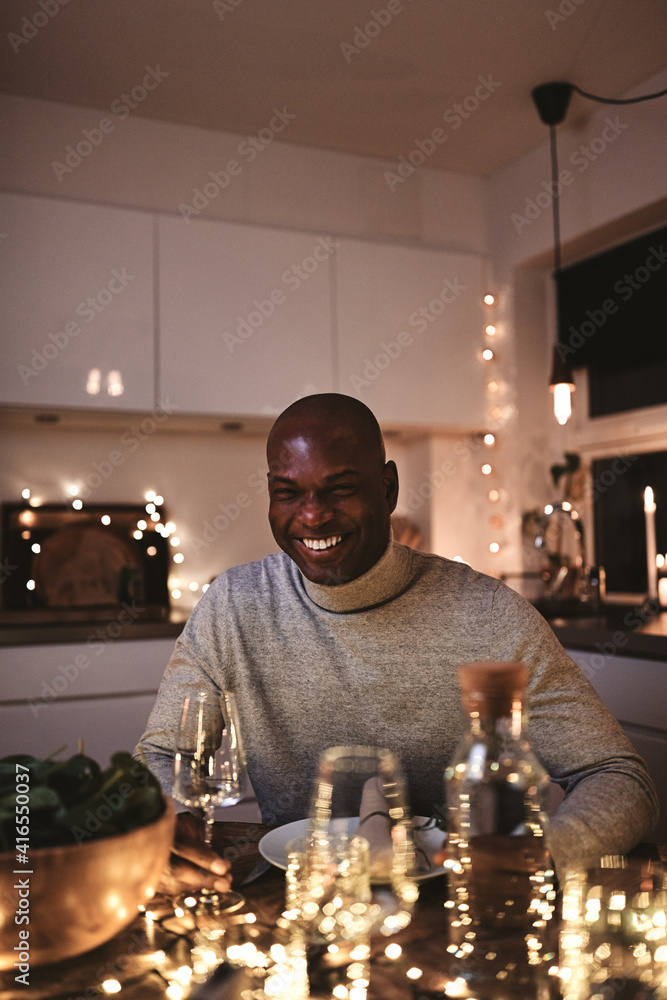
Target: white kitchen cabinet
column 101, row 691
column 245, row 316
column 410, row 333
column 77, row 305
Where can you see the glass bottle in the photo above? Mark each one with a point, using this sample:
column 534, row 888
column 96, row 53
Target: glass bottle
column 501, row 878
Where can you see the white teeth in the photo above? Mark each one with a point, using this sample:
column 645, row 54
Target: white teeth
column 322, row 543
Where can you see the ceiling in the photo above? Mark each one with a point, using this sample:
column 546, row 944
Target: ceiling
column 228, row 63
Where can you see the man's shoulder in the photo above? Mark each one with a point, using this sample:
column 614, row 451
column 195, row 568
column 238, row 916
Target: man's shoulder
column 272, row 569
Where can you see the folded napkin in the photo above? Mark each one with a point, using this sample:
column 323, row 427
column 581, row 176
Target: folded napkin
column 375, row 826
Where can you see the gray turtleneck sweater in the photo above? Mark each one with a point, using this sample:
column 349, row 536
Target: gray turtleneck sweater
column 374, row 661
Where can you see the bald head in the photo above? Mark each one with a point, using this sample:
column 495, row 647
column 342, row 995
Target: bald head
column 331, row 490
column 334, row 411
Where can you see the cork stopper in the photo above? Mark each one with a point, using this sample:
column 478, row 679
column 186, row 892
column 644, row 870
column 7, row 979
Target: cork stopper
column 491, row 688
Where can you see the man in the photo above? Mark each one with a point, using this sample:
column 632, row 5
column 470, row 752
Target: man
column 347, row 637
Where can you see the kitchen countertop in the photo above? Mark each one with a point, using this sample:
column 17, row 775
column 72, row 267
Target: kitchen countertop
column 631, row 631
column 37, row 633
column 637, row 630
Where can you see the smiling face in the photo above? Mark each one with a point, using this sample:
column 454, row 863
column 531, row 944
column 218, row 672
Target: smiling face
column 330, row 493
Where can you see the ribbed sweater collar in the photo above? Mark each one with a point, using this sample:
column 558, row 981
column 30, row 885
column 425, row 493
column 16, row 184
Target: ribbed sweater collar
column 388, row 578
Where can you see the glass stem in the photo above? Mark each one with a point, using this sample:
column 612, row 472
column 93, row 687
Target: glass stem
column 209, row 812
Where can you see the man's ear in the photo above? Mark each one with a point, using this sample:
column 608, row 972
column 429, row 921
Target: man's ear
column 390, row 483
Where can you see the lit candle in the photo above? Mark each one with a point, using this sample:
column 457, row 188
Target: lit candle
column 651, row 551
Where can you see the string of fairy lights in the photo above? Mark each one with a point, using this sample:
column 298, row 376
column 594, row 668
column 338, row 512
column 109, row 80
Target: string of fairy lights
column 496, row 415
column 153, row 521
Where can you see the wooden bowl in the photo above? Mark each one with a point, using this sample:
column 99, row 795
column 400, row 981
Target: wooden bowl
column 80, row 895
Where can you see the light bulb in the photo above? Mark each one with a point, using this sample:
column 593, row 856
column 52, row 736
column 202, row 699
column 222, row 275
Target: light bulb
column 562, row 402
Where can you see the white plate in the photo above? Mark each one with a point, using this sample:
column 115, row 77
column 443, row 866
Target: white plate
column 273, row 845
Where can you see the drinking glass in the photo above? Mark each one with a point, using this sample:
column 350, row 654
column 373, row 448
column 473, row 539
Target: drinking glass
column 613, row 941
column 360, row 791
column 328, row 899
column 209, row 768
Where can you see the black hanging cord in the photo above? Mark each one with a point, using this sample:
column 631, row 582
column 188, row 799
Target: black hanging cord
column 626, row 100
column 555, row 194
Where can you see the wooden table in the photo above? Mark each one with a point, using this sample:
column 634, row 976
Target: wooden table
column 130, row 956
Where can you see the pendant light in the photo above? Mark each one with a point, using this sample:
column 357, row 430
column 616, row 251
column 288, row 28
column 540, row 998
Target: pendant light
column 552, row 101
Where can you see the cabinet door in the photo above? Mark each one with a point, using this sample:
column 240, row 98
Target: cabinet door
column 411, row 330
column 244, row 316
column 77, row 305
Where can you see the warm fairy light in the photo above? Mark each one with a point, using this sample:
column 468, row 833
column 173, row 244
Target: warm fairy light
column 204, row 587
column 111, row 986
column 414, row 973
column 142, row 525
column 548, row 509
column 175, row 541
column 105, row 519
column 193, row 585
column 490, row 330
column 489, row 300
column 30, row 585
column 36, row 547
column 137, row 534
column 158, row 500
column 170, row 527
column 494, row 547
column 155, row 516
column 179, row 557
column 489, row 440
column 25, row 493
column 660, row 561
column 151, row 551
column 487, row 354
column 393, row 950
column 566, row 505
column 492, row 386
column 77, row 504
column 150, row 508
column 174, row 991
column 487, row 469
column 73, row 490
column 176, row 593
column 149, row 496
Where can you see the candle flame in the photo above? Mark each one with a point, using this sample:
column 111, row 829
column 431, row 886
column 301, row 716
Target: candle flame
column 649, row 505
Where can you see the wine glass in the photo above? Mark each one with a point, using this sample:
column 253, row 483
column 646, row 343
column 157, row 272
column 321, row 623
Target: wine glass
column 209, row 769
column 360, row 790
